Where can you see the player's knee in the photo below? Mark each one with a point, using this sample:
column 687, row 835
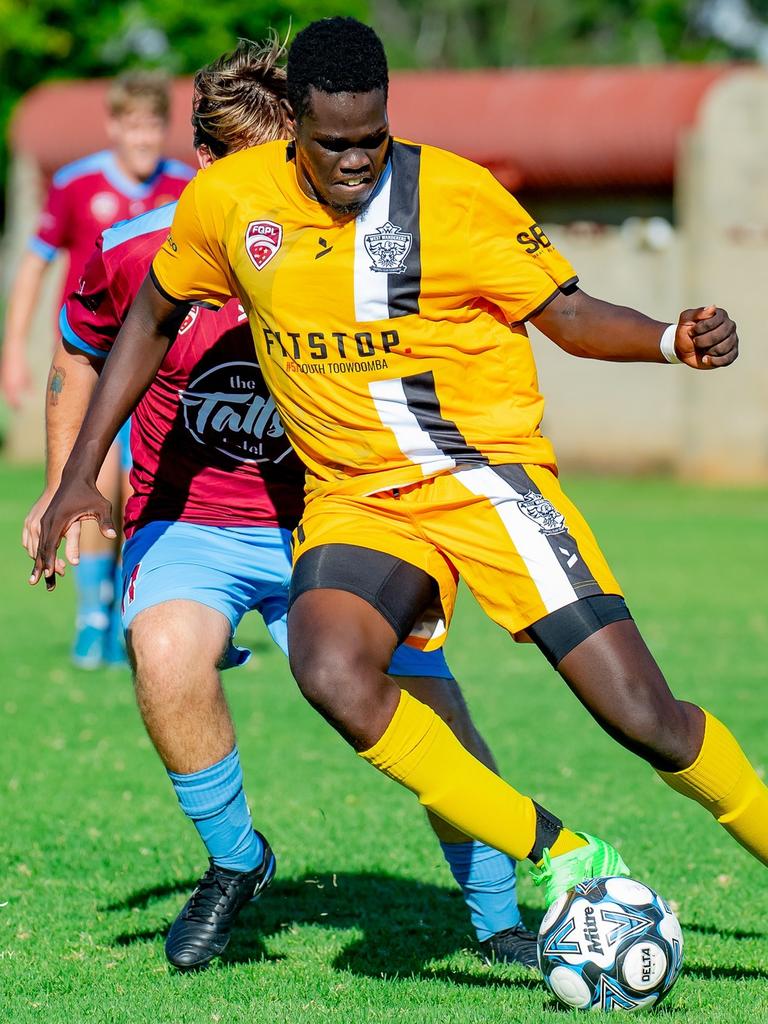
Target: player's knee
column 323, row 672
column 169, row 649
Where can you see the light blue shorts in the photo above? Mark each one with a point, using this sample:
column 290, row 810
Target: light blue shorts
column 123, row 442
column 234, row 570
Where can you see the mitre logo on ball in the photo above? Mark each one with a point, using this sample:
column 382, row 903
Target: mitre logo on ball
column 263, row 239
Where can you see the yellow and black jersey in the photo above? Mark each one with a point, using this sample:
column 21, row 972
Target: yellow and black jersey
column 393, row 341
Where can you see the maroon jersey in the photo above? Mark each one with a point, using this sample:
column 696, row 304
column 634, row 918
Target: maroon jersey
column 89, row 195
column 207, row 443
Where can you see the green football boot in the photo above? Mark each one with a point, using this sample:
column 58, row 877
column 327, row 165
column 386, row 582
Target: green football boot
column 597, row 859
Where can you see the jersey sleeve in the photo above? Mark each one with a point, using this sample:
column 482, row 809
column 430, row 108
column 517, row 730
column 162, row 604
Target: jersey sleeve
column 515, row 265
column 191, row 265
column 53, row 226
column 92, row 316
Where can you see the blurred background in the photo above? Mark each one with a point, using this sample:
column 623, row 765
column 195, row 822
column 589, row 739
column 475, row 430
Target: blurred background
column 636, row 131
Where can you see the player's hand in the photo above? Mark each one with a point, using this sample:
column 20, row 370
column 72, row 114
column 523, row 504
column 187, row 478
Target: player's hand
column 30, row 534
column 706, row 338
column 74, row 501
column 15, row 378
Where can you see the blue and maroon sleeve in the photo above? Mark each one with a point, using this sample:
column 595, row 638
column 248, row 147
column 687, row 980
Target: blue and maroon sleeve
column 53, row 226
column 90, row 317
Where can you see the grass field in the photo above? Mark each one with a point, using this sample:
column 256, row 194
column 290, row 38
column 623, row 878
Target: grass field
column 363, row 923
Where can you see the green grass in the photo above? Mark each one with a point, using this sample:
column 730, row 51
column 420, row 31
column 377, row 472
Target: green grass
column 363, row 923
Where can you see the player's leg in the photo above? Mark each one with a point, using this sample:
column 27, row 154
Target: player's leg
column 486, row 876
column 340, row 646
column 614, row 675
column 534, row 565
column 95, row 577
column 180, row 616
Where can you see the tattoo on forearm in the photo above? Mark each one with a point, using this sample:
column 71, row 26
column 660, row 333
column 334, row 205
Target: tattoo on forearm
column 56, row 383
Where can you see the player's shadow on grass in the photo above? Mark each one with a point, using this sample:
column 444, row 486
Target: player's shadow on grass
column 405, row 925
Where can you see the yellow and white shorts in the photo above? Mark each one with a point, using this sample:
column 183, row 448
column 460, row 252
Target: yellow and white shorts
column 509, row 531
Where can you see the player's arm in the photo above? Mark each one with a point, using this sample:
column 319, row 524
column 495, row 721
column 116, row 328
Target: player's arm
column 703, row 338
column 24, row 293
column 71, row 381
column 52, row 234
column 151, row 325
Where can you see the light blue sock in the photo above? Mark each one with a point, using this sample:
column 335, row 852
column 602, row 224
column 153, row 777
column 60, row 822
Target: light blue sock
column 487, row 879
column 94, row 577
column 114, row 652
column 215, row 801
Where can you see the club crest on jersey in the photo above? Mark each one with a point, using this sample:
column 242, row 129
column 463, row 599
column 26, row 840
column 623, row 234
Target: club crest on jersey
column 543, row 513
column 105, row 207
column 263, row 239
column 189, row 319
column 388, row 246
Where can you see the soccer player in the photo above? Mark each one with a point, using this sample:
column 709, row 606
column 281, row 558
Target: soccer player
column 216, row 493
column 388, row 285
column 85, row 197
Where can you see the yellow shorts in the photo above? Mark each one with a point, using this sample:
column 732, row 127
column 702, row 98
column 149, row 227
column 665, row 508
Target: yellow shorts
column 509, row 532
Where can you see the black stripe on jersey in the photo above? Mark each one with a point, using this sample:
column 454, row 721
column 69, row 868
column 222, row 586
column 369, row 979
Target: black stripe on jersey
column 564, row 546
column 421, row 398
column 403, row 290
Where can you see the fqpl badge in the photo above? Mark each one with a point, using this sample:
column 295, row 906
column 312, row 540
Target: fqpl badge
column 263, row 238
column 388, row 246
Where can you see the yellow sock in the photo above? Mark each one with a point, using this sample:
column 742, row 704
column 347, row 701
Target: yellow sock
column 722, row 780
column 566, row 842
column 420, row 752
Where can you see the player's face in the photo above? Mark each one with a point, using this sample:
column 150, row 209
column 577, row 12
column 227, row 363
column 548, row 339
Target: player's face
column 137, row 138
column 341, row 147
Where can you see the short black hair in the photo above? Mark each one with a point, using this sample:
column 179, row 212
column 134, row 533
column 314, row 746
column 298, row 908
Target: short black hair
column 335, row 55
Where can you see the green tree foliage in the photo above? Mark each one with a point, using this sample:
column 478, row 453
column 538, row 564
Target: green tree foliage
column 471, row 33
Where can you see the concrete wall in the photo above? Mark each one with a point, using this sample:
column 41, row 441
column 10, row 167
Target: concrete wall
column 623, row 416
column 616, row 415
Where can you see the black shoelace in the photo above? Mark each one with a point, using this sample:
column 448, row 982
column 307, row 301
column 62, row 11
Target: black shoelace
column 205, row 899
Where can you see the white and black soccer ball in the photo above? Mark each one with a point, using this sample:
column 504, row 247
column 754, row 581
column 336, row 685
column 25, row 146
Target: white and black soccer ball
column 610, row 944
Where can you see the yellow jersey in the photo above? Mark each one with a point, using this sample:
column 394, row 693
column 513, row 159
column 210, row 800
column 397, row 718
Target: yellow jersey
column 393, row 341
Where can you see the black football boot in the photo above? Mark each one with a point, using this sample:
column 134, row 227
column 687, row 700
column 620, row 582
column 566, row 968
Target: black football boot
column 202, row 929
column 511, row 946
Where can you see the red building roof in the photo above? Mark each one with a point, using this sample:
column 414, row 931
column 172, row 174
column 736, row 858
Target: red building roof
column 552, row 129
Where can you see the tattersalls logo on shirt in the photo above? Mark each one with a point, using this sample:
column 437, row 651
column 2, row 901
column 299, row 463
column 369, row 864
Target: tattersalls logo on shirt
column 388, row 246
column 228, row 408
column 263, row 239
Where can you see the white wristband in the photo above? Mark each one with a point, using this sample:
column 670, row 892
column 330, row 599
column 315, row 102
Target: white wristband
column 667, row 344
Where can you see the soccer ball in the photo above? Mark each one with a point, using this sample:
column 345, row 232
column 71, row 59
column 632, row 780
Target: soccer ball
column 610, row 944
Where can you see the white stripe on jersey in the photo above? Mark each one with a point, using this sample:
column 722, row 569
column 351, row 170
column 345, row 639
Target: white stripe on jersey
column 371, row 287
column 531, row 544
column 414, row 442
